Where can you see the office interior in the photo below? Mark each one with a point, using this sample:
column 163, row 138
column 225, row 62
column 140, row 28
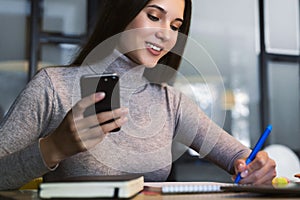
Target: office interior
column 241, row 65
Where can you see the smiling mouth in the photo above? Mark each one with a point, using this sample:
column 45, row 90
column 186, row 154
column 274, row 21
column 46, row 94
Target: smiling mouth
column 154, row 47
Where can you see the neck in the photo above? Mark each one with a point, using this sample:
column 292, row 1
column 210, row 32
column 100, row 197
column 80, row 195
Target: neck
column 130, row 73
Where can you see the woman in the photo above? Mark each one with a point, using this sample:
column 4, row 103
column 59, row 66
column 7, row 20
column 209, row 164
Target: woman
column 46, row 134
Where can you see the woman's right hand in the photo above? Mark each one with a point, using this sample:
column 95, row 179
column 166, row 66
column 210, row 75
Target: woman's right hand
column 77, row 133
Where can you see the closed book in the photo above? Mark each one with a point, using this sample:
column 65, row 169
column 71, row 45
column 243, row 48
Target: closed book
column 118, row 186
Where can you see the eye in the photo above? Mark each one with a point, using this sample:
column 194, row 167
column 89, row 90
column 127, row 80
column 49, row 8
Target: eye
column 174, row 28
column 153, row 18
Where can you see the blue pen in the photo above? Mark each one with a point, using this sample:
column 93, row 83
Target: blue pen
column 256, row 149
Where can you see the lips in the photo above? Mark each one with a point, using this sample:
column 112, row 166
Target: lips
column 154, row 48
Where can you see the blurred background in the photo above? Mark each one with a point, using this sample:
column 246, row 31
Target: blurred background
column 245, row 71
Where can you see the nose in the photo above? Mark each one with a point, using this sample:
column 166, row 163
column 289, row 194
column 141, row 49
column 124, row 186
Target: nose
column 163, row 34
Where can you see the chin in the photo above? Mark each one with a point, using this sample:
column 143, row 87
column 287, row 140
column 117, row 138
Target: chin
column 146, row 63
column 150, row 65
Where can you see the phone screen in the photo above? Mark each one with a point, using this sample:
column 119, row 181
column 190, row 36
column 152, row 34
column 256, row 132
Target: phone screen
column 107, row 83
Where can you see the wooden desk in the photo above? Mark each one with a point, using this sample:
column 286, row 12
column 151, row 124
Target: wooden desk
column 33, row 195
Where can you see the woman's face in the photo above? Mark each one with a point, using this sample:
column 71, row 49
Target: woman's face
column 153, row 32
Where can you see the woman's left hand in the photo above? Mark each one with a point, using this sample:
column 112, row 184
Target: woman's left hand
column 260, row 171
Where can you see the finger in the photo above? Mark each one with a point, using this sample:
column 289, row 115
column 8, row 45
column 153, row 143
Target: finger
column 114, row 124
column 265, row 174
column 267, row 178
column 260, row 160
column 254, row 170
column 240, row 165
column 115, row 114
column 92, row 136
column 243, row 174
column 94, row 120
column 87, row 101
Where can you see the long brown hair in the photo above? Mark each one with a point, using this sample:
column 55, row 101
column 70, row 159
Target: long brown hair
column 114, row 18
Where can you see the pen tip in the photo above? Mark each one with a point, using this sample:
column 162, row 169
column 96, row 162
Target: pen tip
column 269, row 127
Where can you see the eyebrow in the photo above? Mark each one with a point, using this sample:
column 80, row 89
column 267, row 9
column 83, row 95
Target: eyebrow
column 163, row 11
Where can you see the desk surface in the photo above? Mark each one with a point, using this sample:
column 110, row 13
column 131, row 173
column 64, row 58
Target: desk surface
column 32, row 195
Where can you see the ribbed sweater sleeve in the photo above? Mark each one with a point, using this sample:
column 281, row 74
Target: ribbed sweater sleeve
column 196, row 130
column 23, row 125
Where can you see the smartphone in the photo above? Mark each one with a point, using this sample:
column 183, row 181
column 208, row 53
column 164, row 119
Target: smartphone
column 107, row 83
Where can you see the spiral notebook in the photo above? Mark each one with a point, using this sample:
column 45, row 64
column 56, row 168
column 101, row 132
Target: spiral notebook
column 291, row 189
column 184, row 187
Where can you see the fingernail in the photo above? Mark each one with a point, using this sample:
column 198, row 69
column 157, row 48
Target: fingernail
column 240, row 166
column 245, row 173
column 125, row 110
column 99, row 95
column 125, row 119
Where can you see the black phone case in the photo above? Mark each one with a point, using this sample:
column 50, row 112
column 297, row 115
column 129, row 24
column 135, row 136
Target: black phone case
column 107, row 83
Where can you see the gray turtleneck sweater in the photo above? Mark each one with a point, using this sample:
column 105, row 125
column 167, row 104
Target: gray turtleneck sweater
column 158, row 116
